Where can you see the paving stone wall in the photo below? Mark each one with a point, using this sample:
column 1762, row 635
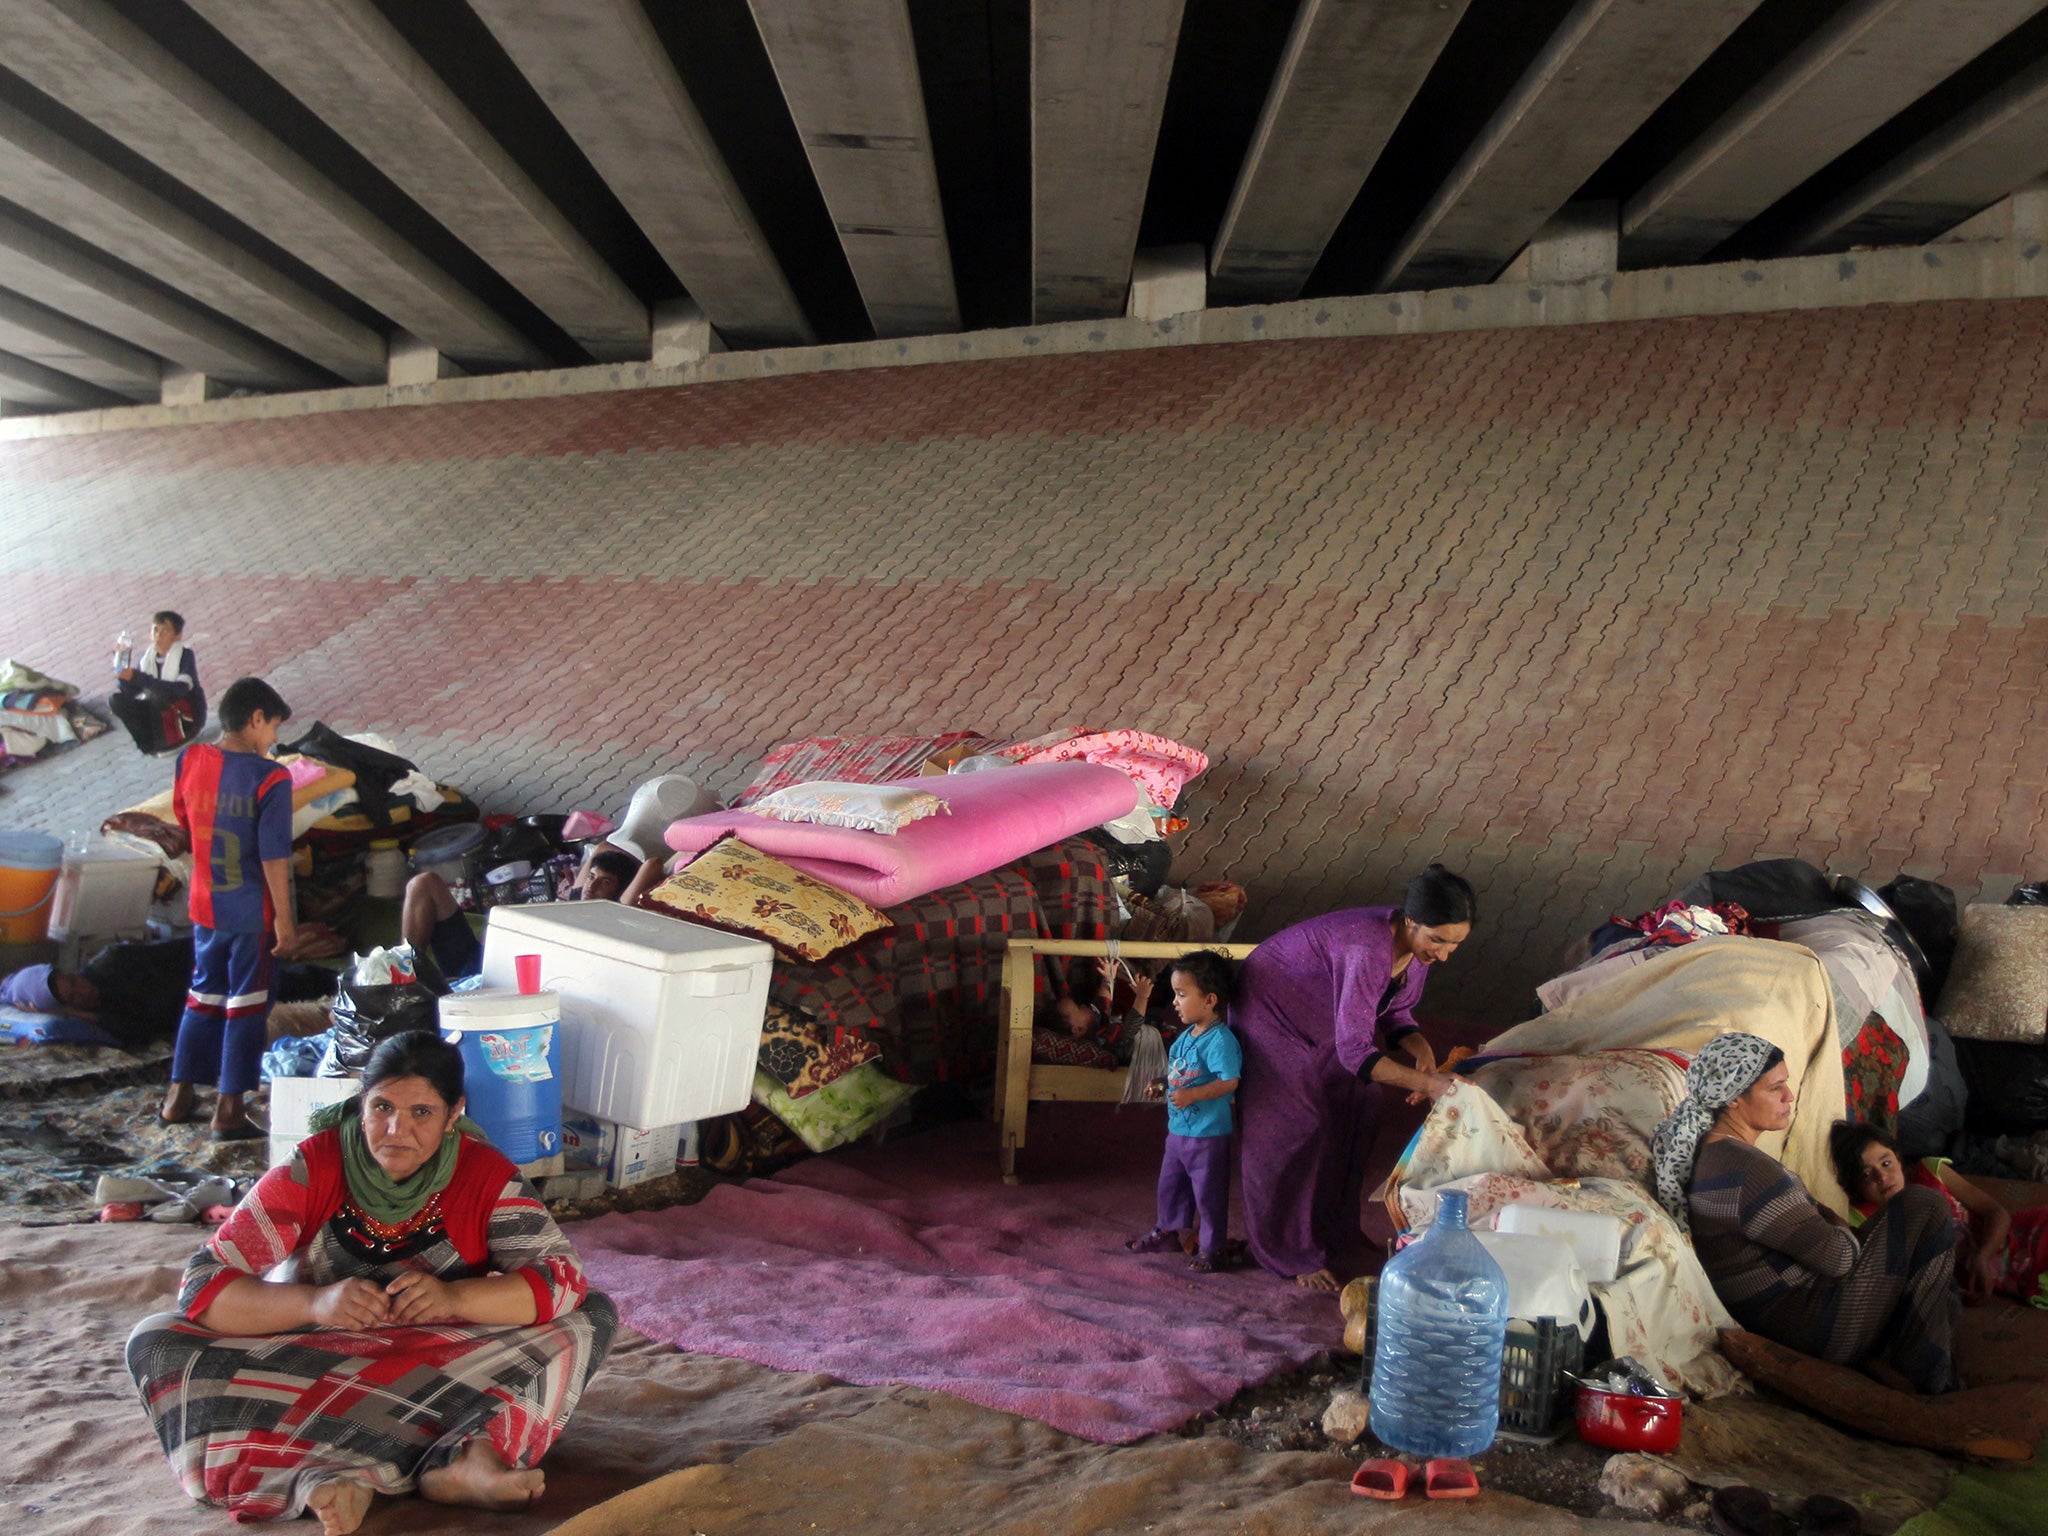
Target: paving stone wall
column 1579, row 611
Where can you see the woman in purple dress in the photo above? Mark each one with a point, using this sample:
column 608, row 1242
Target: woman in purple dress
column 1321, row 1010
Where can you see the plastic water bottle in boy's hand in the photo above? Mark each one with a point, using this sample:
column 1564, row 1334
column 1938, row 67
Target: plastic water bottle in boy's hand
column 124, row 652
column 1443, row 1319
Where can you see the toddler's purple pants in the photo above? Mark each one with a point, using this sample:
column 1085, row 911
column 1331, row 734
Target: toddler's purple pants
column 1194, row 1188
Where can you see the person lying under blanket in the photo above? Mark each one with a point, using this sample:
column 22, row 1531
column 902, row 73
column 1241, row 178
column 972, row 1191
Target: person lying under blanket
column 135, row 992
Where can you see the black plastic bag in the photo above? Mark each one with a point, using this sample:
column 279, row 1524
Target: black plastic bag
column 365, row 1017
column 2008, row 1086
column 1932, row 1125
column 1770, row 890
column 1143, row 865
column 1928, row 911
column 2033, row 894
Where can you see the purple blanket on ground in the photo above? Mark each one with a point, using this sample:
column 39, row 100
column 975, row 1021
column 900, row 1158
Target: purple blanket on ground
column 913, row 1263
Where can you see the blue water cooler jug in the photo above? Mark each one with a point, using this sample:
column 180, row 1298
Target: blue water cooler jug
column 511, row 1067
column 1443, row 1319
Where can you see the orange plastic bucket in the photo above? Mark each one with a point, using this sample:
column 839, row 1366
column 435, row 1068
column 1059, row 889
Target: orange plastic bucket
column 29, row 865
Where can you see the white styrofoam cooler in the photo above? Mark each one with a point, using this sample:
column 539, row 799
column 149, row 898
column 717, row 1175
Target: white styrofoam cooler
column 661, row 1019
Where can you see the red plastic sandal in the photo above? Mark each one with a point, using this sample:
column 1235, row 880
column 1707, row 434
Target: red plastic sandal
column 1449, row 1478
column 1380, row 1480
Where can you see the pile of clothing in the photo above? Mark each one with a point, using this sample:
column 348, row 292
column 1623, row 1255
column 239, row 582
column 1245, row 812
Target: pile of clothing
column 347, row 793
column 39, row 713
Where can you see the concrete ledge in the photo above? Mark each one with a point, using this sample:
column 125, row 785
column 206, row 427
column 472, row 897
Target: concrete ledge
column 1989, row 269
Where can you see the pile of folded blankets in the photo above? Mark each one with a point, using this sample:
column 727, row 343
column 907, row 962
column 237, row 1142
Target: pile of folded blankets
column 38, row 714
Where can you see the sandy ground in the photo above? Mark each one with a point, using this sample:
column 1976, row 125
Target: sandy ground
column 806, row 1452
column 783, row 1450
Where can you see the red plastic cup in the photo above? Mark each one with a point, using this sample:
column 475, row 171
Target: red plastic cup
column 528, row 967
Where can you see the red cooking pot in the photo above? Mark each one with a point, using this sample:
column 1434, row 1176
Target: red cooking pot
column 1622, row 1421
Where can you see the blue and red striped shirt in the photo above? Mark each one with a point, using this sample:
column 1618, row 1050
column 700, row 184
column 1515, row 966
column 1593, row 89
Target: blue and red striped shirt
column 237, row 808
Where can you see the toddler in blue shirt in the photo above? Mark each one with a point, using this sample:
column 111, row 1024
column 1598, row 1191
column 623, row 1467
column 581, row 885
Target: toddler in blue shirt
column 1202, row 1070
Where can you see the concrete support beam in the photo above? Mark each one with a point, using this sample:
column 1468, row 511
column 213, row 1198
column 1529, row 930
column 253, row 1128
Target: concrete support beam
column 409, row 360
column 1962, row 168
column 848, row 70
column 87, row 56
column 24, row 381
column 357, row 71
column 1606, row 68
column 1869, row 60
column 57, row 181
column 42, row 335
column 99, row 294
column 1099, row 72
column 602, row 70
column 184, row 386
column 1581, row 240
column 1350, row 70
column 683, row 335
column 2022, row 217
column 1168, row 280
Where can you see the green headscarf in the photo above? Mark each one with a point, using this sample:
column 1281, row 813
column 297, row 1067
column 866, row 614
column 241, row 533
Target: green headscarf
column 381, row 1197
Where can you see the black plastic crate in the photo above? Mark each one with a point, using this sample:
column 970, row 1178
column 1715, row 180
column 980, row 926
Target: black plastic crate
column 1533, row 1391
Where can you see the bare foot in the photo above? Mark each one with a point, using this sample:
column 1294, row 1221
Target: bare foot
column 231, row 1120
column 340, row 1504
column 1321, row 1280
column 179, row 1102
column 480, row 1479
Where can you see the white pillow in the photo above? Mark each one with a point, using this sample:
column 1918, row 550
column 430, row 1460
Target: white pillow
column 884, row 808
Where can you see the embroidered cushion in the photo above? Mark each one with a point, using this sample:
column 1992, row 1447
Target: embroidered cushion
column 795, row 1053
column 739, row 889
column 884, row 808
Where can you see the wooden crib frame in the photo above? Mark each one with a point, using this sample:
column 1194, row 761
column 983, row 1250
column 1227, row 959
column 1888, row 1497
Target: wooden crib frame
column 1019, row 1080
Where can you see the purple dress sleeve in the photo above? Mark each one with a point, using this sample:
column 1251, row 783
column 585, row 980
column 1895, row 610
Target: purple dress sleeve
column 1363, row 970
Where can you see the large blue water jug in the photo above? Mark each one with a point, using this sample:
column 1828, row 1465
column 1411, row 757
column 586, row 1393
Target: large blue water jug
column 511, row 1067
column 1443, row 1318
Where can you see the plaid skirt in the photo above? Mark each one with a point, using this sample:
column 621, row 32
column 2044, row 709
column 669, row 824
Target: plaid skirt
column 254, row 1425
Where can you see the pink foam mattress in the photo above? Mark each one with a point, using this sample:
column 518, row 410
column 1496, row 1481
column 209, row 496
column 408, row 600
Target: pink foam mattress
column 997, row 817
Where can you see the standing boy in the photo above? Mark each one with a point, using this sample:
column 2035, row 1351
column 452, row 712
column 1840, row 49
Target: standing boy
column 236, row 806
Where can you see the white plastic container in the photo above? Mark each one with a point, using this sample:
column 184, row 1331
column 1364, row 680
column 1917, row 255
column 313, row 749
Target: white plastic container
column 661, row 1019
column 1595, row 1237
column 1544, row 1278
column 104, row 891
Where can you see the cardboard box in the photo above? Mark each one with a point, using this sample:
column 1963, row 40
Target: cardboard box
column 627, row 1156
column 292, row 1103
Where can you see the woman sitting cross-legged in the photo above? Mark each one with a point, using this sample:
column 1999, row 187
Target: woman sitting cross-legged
column 1785, row 1265
column 434, row 1334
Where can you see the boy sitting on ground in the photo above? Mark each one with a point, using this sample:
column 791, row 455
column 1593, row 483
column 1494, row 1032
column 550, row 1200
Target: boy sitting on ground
column 159, row 698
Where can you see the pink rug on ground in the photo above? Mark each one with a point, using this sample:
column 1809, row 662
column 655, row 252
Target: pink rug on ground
column 913, row 1263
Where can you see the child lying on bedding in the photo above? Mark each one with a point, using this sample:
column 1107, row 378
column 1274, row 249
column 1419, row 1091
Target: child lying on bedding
column 1084, row 1032
column 1996, row 1249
